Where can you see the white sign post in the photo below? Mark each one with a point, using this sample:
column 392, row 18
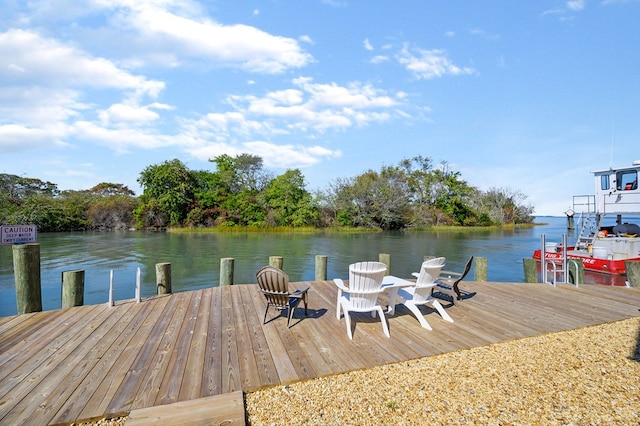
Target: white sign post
column 18, row 234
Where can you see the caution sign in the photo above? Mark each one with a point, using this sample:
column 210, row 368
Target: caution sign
column 18, row 234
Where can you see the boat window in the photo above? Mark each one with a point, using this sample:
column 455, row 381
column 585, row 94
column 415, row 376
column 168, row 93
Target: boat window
column 604, row 182
column 626, row 181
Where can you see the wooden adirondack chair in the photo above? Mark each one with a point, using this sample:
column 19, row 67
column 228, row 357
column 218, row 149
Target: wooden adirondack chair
column 274, row 285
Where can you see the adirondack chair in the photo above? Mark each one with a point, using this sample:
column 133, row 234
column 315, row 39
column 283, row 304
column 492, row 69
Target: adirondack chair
column 421, row 293
column 365, row 285
column 274, row 285
column 450, row 280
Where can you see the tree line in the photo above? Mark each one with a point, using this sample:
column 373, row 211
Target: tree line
column 413, row 194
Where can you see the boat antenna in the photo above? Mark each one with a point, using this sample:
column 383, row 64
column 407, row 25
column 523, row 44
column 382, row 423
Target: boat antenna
column 611, row 154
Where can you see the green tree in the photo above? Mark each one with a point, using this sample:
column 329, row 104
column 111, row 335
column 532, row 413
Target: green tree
column 168, row 191
column 372, row 199
column 288, row 202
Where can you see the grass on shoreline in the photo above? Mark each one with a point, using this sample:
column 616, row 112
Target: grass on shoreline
column 342, row 230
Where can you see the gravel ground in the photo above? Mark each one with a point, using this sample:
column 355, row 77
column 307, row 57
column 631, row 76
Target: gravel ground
column 587, row 376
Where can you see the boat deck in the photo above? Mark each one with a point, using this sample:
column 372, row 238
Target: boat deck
column 91, row 361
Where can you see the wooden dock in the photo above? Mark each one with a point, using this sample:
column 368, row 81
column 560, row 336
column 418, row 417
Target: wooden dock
column 86, row 362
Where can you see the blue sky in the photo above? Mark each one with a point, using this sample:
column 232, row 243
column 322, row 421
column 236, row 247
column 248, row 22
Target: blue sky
column 526, row 95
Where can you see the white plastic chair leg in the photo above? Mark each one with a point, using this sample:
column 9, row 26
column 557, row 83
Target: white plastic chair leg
column 416, row 312
column 338, row 305
column 383, row 320
column 445, row 316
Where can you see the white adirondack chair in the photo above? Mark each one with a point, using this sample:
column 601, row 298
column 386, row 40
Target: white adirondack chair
column 365, row 285
column 421, row 293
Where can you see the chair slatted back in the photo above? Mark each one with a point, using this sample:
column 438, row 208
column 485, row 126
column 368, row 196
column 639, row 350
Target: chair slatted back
column 365, row 283
column 274, row 284
column 429, row 272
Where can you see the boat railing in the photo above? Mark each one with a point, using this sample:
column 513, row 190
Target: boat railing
column 584, row 204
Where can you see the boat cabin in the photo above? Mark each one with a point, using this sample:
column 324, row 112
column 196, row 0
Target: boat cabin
column 617, row 191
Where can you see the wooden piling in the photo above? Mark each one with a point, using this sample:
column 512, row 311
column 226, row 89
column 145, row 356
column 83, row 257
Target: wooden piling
column 480, row 269
column 163, row 278
column 633, row 273
column 26, row 267
column 321, row 268
column 530, row 270
column 386, row 259
column 576, row 271
column 276, row 261
column 72, row 288
column 226, row 271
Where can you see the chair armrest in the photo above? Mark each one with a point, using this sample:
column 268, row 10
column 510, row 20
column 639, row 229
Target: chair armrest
column 415, row 274
column 340, row 284
column 300, row 292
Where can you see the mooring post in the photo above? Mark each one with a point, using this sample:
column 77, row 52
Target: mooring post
column 576, row 268
column 226, row 271
column 163, row 278
column 480, row 269
column 72, row 288
column 321, row 268
column 633, row 273
column 276, row 261
column 530, row 270
column 386, row 259
column 26, row 267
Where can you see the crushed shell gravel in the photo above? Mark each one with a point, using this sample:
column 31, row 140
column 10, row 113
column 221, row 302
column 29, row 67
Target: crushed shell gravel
column 587, row 376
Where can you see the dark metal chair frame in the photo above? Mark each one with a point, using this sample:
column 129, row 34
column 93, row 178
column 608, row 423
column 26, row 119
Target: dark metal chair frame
column 449, row 280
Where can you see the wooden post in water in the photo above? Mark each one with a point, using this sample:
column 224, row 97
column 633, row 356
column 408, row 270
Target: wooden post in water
column 480, row 269
column 226, row 271
column 530, row 270
column 163, row 278
column 321, row 268
column 276, row 261
column 72, row 288
column 386, row 259
column 577, row 271
column 633, row 273
column 26, row 267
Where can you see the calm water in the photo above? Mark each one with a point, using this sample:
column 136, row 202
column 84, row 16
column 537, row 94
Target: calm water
column 195, row 258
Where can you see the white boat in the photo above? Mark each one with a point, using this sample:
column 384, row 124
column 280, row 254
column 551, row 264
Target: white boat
column 605, row 248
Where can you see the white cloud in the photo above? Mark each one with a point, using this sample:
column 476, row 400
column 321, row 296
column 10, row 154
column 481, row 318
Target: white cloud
column 429, row 64
column 127, row 114
column 575, row 5
column 15, row 137
column 367, row 44
column 26, row 57
column 179, row 34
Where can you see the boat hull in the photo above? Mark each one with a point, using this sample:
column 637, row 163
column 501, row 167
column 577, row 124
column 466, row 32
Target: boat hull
column 591, row 263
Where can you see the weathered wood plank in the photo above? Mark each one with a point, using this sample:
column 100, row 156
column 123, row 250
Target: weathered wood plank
column 139, row 320
column 194, row 374
column 250, row 376
column 255, row 303
column 102, row 355
column 230, row 363
column 137, row 369
column 225, row 409
column 31, row 372
column 159, row 357
column 212, row 369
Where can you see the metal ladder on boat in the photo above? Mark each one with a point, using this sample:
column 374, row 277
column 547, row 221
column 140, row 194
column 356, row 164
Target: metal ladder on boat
column 588, row 231
column 585, row 204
